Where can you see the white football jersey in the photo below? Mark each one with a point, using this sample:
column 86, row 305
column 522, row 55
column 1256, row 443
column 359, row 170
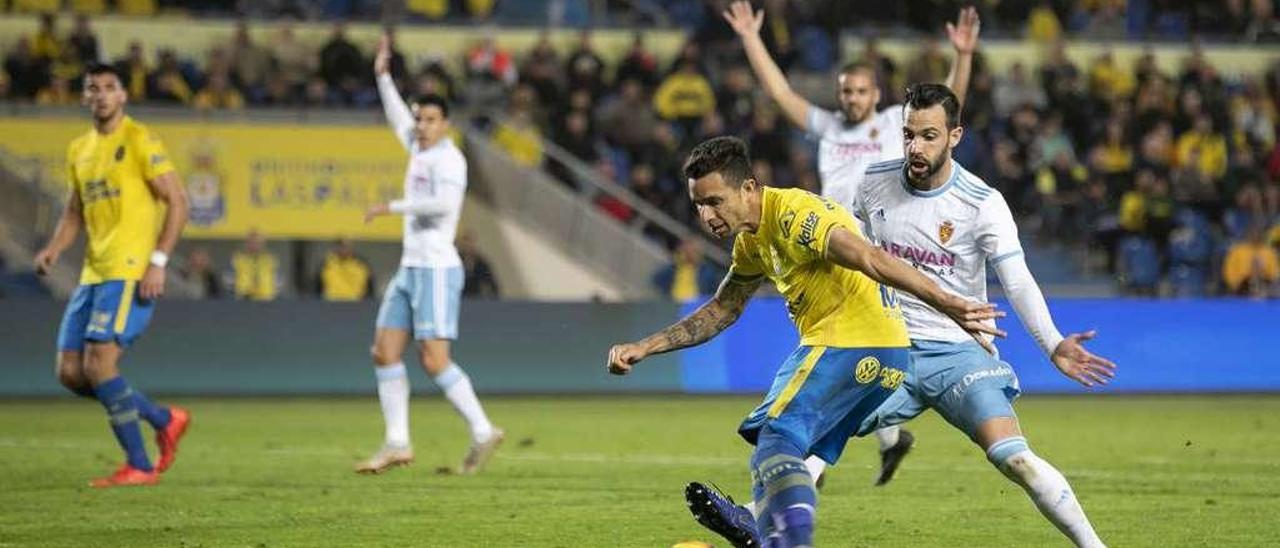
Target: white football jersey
column 845, row 150
column 949, row 234
column 436, row 176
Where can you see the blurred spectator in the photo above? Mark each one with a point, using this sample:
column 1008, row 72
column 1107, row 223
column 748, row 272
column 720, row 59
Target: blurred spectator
column 585, row 67
column 1112, row 157
column 342, row 66
column 480, row 282
column 1251, row 267
column 46, row 45
column 295, row 61
column 576, row 138
column 399, row 68
column 689, row 275
column 1249, row 210
column 84, row 42
column 200, row 276
column 685, row 97
column 250, row 61
column 345, row 276
column 58, row 93
column 628, row 120
column 135, row 71
column 639, row 64
column 930, row 64
column 27, row 74
column 736, row 99
column 218, row 94
column 1043, row 25
column 1016, row 90
column 486, row 61
column 255, row 270
column 278, row 91
column 1107, row 81
column 518, row 133
column 1202, row 148
column 541, row 70
column 167, row 84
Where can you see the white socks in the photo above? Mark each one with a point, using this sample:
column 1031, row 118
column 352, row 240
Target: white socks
column 393, row 394
column 1051, row 495
column 815, row 465
column 888, row 437
column 457, row 388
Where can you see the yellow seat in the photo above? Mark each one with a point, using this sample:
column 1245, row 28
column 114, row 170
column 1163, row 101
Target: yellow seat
column 89, row 7
column 431, row 9
column 136, row 7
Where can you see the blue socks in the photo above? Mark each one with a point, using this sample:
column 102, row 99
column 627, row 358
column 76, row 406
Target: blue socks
column 158, row 417
column 122, row 408
column 783, row 491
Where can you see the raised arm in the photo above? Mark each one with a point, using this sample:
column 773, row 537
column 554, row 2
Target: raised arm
column 398, row 114
column 964, row 38
column 747, row 24
column 852, row 251
column 714, row 316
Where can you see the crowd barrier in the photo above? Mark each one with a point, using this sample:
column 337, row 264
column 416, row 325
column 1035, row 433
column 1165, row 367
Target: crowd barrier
column 311, row 347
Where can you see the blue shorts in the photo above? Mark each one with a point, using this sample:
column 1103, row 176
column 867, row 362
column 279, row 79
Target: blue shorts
column 821, row 395
column 109, row 311
column 424, row 300
column 961, row 381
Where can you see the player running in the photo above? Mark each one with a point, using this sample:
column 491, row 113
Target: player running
column 853, row 343
column 852, row 138
column 929, row 211
column 119, row 175
column 423, row 298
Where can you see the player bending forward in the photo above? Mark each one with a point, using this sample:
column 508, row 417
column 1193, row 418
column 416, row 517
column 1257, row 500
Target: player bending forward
column 423, row 298
column 853, row 343
column 929, row 211
column 119, row 174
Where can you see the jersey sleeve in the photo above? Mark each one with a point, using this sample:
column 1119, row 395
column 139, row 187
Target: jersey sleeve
column 819, row 121
column 807, row 222
column 746, row 265
column 155, row 159
column 997, row 233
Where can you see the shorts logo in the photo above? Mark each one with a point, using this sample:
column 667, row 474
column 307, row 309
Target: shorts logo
column 945, row 230
column 99, row 321
column 891, row 378
column 868, row 369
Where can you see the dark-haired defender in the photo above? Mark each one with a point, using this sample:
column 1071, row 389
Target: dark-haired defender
column 119, row 175
column 852, row 138
column 423, row 298
column 853, row 343
column 930, row 212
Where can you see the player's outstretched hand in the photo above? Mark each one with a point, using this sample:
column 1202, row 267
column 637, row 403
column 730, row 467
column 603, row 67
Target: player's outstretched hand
column 375, row 211
column 623, row 356
column 382, row 60
column 744, row 21
column 964, row 32
column 45, row 260
column 152, row 285
column 1082, row 366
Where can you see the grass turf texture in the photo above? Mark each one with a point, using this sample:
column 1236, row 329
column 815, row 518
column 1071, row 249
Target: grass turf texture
column 609, row 471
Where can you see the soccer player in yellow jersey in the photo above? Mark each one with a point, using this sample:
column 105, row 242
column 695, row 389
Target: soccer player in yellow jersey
column 853, row 344
column 120, row 176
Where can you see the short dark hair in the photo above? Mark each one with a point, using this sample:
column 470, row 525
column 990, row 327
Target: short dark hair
column 860, row 66
column 98, row 69
column 433, row 100
column 727, row 156
column 922, row 96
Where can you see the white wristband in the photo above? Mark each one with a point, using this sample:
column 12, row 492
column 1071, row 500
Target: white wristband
column 159, row 258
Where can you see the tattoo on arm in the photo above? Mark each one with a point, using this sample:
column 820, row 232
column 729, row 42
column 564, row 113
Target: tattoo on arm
column 708, row 320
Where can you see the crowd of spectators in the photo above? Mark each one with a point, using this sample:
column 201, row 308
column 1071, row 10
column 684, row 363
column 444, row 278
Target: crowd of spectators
column 1170, row 180
column 255, row 273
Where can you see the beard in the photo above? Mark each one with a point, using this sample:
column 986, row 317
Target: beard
column 933, row 166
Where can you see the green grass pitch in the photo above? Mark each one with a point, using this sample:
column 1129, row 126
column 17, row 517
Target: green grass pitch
column 609, row 471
